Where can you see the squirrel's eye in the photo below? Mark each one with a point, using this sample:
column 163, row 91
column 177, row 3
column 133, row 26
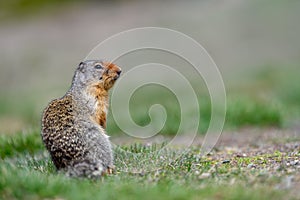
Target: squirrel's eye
column 98, row 66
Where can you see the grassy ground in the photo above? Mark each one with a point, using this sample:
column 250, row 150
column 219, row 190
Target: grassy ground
column 270, row 171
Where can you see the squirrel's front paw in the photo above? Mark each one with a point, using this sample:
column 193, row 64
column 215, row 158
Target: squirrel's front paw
column 109, row 170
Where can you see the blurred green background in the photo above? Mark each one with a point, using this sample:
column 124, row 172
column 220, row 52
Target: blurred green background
column 254, row 43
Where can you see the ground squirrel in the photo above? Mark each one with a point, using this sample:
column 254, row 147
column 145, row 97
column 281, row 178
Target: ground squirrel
column 73, row 126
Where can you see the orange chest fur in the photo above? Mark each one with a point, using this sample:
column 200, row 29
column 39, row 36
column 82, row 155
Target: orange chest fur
column 101, row 108
column 100, row 114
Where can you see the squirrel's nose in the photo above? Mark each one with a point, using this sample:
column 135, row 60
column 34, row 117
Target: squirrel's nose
column 119, row 72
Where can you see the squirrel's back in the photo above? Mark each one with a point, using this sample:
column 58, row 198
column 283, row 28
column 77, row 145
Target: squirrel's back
column 60, row 133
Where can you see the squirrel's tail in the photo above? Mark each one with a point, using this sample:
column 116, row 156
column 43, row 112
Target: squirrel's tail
column 85, row 168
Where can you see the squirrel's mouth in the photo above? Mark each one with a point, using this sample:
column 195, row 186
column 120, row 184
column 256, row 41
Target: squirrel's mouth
column 116, row 77
column 109, row 81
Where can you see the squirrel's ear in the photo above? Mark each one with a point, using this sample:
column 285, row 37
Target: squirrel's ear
column 81, row 67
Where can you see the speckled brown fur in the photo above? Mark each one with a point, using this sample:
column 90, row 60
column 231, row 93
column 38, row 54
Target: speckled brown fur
column 59, row 117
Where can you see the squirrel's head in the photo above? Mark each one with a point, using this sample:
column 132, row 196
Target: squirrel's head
column 97, row 72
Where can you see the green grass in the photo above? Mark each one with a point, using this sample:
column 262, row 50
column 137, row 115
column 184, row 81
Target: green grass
column 29, row 174
column 20, row 142
column 242, row 111
column 31, row 184
column 23, row 184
